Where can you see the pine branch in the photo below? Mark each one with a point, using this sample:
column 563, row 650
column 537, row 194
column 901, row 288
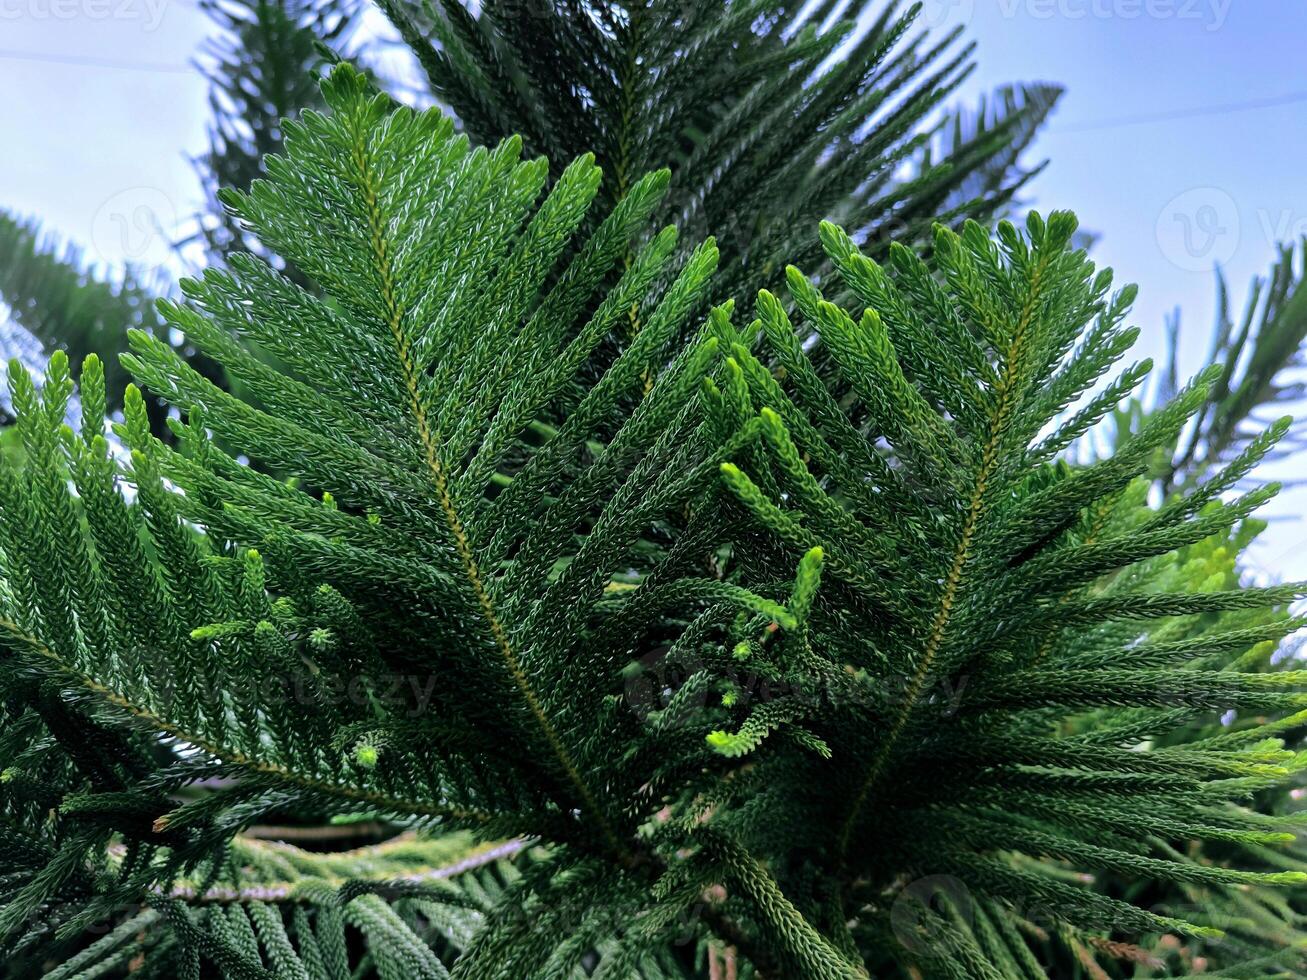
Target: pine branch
column 757, row 159
column 801, row 636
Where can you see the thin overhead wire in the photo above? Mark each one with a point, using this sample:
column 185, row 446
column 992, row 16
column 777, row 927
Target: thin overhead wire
column 1191, row 112
column 94, row 61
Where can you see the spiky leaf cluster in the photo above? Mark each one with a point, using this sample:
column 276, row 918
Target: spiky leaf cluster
column 390, row 642
column 1259, row 352
column 1001, row 643
column 805, row 658
column 261, row 67
column 771, row 116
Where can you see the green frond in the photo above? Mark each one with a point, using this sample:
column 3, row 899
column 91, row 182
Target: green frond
column 391, row 642
column 713, row 90
column 1029, row 623
column 626, row 641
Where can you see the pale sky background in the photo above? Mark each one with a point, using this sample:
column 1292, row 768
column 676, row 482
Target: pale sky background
column 102, row 109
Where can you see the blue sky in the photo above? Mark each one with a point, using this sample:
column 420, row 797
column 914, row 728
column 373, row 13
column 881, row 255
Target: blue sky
column 98, row 152
column 1236, row 179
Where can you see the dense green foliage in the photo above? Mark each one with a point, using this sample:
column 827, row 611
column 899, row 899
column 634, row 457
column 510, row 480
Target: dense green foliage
column 738, row 106
column 1025, row 627
column 799, row 648
column 771, row 117
column 644, row 644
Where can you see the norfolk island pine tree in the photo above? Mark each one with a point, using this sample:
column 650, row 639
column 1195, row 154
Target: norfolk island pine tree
column 773, row 633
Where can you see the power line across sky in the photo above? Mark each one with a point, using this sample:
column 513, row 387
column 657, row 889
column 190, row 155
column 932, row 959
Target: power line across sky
column 96, row 61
